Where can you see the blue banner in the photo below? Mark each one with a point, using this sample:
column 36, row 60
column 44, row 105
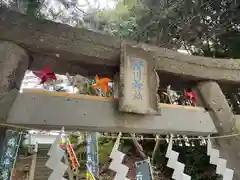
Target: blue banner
column 143, row 171
column 10, row 149
column 92, row 152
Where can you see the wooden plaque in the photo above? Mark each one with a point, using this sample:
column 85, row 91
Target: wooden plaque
column 138, row 81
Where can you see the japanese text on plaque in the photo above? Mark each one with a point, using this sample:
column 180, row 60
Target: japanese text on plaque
column 137, row 84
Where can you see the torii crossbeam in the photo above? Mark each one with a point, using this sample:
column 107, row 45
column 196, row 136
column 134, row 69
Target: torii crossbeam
column 52, row 110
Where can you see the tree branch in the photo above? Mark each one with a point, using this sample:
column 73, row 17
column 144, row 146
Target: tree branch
column 138, row 147
column 155, row 148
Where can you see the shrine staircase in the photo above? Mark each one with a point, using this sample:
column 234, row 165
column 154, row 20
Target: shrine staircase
column 41, row 171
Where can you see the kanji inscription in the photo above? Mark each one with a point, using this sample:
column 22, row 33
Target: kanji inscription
column 138, row 82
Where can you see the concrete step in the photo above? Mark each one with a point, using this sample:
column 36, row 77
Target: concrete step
column 41, row 178
column 42, row 156
column 41, row 160
column 44, row 146
column 42, row 171
column 42, row 174
column 42, row 168
column 42, row 153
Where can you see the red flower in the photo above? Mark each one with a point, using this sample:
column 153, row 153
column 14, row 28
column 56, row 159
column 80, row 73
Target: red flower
column 190, row 96
column 45, row 74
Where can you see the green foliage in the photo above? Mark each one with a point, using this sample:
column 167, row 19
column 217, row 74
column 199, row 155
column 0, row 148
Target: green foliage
column 105, row 147
column 23, row 148
column 194, row 157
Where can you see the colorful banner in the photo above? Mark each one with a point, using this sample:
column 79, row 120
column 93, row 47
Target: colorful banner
column 92, row 153
column 143, row 170
column 10, row 149
column 72, row 156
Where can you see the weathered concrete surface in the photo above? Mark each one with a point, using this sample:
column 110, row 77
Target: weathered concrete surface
column 14, row 62
column 137, row 69
column 83, row 48
column 61, row 66
column 92, row 113
column 215, row 101
column 225, row 121
column 58, row 40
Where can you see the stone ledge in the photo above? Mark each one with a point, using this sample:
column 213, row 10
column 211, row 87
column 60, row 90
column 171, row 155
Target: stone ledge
column 53, row 111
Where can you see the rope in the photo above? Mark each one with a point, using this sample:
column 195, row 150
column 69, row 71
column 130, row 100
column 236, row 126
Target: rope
column 139, row 138
column 177, row 139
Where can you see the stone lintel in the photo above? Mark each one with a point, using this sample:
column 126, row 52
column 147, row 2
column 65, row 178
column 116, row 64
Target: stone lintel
column 69, row 48
column 50, row 110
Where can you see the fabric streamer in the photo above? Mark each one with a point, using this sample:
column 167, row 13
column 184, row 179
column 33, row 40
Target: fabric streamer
column 173, row 163
column 221, row 164
column 56, row 154
column 117, row 158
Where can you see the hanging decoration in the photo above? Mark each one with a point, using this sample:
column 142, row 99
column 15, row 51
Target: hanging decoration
column 92, row 153
column 191, row 97
column 101, row 84
column 143, row 170
column 59, row 168
column 172, row 95
column 56, row 154
column 72, row 156
column 221, row 164
column 89, row 174
column 45, row 74
column 71, row 153
column 116, row 164
column 10, row 149
column 173, row 163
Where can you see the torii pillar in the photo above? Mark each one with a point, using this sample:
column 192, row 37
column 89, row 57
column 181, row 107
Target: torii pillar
column 224, row 120
column 14, row 61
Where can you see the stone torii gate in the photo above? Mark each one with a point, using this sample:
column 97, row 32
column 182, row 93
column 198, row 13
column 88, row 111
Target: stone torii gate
column 27, row 43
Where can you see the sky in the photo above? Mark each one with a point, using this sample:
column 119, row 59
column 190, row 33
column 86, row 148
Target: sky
column 83, row 5
column 102, row 4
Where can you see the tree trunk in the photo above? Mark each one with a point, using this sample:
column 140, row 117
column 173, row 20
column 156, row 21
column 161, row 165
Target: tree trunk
column 216, row 103
column 14, row 61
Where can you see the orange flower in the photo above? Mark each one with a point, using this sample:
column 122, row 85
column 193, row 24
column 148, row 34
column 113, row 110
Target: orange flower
column 101, row 83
